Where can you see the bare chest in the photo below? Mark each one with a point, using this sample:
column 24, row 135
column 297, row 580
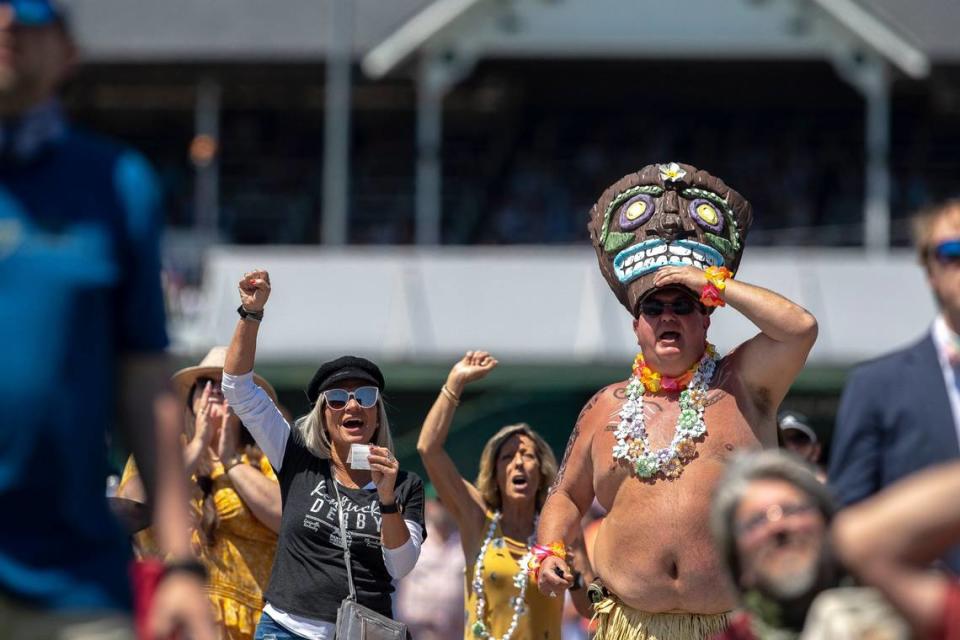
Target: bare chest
column 731, row 426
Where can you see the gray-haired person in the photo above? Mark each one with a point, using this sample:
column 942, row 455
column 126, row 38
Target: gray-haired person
column 770, row 518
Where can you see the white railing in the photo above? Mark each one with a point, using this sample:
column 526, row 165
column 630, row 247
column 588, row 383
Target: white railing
column 529, row 304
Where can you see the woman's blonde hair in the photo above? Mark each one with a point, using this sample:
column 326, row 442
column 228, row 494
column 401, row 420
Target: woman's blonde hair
column 313, row 429
column 487, row 476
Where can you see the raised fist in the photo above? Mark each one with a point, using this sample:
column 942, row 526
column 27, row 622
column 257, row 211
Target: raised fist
column 254, row 290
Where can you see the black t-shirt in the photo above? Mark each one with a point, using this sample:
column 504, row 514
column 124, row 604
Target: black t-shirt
column 309, row 576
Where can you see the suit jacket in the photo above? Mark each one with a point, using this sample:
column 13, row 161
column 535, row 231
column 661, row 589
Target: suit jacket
column 894, row 419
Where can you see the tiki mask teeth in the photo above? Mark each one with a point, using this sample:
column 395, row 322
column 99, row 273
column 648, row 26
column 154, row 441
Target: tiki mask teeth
column 648, row 256
column 668, row 214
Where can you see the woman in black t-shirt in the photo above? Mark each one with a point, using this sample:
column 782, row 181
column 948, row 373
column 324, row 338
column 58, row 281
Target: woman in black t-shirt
column 323, row 478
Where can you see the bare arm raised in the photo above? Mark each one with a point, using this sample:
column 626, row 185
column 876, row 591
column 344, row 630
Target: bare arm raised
column 460, row 497
column 768, row 362
column 572, row 491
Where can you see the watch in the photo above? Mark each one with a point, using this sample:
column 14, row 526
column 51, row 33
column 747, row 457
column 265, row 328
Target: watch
column 191, row 566
column 253, row 315
column 389, row 508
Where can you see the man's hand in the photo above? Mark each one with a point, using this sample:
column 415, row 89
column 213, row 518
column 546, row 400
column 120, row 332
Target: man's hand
column 181, row 605
column 555, row 577
column 474, row 366
column 254, row 290
column 690, row 277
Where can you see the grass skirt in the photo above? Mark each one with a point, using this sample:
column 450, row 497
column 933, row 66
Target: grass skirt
column 619, row 622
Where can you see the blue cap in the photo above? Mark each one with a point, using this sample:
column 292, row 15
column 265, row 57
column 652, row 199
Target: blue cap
column 34, row 13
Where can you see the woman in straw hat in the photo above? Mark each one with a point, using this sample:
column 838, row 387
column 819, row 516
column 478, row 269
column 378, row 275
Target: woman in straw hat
column 340, row 482
column 236, row 497
column 497, row 517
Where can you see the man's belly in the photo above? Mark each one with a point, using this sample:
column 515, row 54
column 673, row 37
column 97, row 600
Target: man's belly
column 657, row 555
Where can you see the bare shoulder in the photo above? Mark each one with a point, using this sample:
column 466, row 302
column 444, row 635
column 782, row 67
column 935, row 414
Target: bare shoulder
column 601, row 409
column 594, row 416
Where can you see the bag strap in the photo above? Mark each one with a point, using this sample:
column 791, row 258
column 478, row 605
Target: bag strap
column 343, row 537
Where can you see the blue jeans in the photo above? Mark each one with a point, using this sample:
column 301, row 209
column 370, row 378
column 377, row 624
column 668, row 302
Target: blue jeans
column 267, row 629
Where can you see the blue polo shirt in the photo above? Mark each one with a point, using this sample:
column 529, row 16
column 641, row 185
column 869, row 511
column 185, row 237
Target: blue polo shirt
column 79, row 288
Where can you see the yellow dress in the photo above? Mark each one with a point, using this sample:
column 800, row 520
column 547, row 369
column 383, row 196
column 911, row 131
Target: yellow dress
column 241, row 557
column 542, row 618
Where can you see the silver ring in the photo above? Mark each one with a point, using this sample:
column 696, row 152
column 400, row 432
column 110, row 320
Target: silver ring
column 553, row 594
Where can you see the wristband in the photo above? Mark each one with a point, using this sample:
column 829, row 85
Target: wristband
column 184, row 565
column 231, row 463
column 251, row 315
column 712, row 293
column 389, row 508
column 541, row 552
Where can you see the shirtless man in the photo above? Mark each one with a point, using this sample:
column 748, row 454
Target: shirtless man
column 651, row 448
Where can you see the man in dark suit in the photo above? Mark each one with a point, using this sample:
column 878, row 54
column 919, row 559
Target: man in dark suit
column 901, row 412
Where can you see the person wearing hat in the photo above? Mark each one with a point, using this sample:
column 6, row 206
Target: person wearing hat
column 236, row 497
column 801, row 439
column 336, row 468
column 651, row 447
column 82, row 314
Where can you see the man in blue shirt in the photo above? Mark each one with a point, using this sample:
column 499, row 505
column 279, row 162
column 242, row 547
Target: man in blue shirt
column 81, row 311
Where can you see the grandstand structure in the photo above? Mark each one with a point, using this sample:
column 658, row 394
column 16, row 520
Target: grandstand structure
column 433, row 162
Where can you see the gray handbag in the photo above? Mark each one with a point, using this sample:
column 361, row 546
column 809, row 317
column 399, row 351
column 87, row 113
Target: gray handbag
column 355, row 621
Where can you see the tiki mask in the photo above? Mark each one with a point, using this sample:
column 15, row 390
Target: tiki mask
column 665, row 214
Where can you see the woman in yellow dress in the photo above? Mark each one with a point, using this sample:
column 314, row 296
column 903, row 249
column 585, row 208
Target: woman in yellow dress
column 497, row 518
column 236, row 498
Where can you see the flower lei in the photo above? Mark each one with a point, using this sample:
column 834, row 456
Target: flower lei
column 633, row 446
column 479, row 628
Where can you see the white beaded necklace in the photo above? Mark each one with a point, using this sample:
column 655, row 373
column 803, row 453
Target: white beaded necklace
column 479, row 627
column 633, row 445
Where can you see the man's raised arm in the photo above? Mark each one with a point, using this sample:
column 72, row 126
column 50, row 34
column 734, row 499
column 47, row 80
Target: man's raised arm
column 770, row 361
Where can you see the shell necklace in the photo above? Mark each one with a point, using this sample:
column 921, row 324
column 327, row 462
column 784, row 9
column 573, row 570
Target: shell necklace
column 633, row 445
column 479, row 628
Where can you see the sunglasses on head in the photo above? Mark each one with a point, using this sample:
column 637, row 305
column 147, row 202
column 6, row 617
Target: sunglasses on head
column 681, row 307
column 947, row 252
column 366, row 397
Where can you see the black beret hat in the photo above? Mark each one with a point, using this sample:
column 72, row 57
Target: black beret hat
column 343, row 368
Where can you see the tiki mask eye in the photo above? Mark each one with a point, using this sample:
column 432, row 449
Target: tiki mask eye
column 706, row 214
column 635, row 211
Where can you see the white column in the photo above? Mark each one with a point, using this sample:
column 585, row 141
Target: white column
column 429, row 189
column 205, row 155
column 876, row 209
column 336, row 146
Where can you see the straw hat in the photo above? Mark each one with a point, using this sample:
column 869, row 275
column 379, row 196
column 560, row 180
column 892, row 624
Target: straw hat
column 211, row 367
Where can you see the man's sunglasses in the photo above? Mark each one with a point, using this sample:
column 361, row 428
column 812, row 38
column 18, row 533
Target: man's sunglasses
column 680, row 306
column 366, row 397
column 774, row 513
column 947, row 252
